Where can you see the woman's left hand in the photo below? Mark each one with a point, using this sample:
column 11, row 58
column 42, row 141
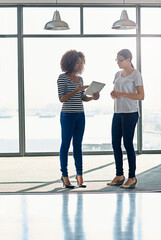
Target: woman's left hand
column 96, row 96
column 115, row 94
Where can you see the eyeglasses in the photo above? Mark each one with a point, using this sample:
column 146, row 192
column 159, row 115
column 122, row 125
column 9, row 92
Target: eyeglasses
column 120, row 60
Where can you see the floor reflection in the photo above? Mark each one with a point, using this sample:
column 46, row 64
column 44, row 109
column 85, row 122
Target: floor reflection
column 24, row 218
column 124, row 218
column 73, row 227
column 81, row 217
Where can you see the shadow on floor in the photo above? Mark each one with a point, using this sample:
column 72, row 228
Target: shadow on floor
column 148, row 181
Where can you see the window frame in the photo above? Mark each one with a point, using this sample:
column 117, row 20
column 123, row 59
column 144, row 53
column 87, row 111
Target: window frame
column 20, row 36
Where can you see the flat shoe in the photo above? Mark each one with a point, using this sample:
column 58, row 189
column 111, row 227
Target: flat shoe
column 129, row 186
column 116, row 183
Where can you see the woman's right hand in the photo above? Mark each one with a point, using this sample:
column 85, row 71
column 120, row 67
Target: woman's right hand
column 81, row 87
column 71, row 94
column 112, row 95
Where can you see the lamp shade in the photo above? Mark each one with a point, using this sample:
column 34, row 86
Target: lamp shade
column 124, row 23
column 56, row 23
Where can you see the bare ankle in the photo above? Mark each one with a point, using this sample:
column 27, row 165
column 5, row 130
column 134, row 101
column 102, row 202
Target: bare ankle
column 120, row 177
column 66, row 180
column 80, row 179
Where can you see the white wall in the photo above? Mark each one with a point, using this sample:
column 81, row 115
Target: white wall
column 82, row 1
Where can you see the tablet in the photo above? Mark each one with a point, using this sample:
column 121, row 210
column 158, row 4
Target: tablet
column 94, row 87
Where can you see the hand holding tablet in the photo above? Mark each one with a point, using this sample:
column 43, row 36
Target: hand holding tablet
column 94, row 87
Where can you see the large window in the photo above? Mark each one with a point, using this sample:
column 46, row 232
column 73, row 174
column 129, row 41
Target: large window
column 42, row 69
column 150, row 20
column 8, row 19
column 152, row 102
column 100, row 20
column 9, row 127
column 9, row 132
column 90, row 32
column 34, row 20
column 151, row 52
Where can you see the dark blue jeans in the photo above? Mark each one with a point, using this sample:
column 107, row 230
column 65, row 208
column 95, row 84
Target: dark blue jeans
column 123, row 125
column 72, row 126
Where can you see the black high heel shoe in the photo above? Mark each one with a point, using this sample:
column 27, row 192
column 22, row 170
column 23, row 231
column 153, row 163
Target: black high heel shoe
column 65, row 185
column 80, row 185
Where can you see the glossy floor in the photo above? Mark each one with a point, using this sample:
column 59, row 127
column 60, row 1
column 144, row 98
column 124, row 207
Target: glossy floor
column 42, row 174
column 81, row 217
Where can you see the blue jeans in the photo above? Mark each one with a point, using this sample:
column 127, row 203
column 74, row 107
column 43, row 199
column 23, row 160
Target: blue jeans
column 123, row 125
column 72, row 126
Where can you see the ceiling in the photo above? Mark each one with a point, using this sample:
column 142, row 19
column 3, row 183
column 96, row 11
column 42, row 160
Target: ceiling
column 81, row 2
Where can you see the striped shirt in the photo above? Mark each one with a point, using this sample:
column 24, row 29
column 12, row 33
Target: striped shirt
column 65, row 86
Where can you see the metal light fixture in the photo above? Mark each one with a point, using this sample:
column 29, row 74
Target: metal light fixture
column 56, row 23
column 124, row 23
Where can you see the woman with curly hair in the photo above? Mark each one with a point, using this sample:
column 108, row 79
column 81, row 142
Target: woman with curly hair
column 72, row 118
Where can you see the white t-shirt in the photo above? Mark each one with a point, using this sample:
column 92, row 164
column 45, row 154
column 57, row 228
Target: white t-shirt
column 127, row 84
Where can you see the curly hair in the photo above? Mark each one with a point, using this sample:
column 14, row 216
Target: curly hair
column 69, row 60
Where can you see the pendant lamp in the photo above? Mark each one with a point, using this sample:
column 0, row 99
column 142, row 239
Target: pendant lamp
column 124, row 23
column 56, row 23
